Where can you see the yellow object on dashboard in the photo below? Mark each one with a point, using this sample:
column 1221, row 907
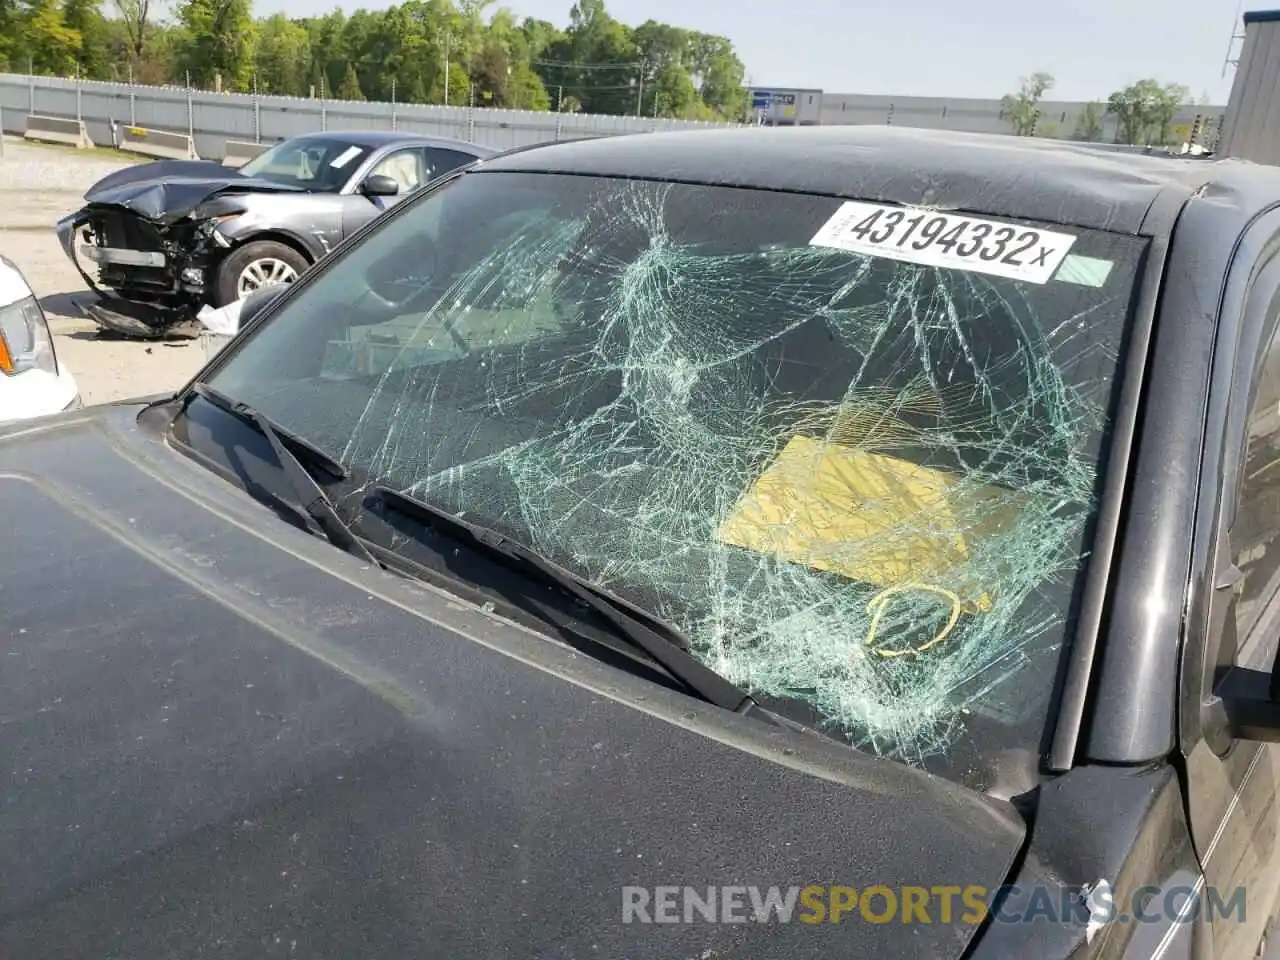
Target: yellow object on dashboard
column 868, row 517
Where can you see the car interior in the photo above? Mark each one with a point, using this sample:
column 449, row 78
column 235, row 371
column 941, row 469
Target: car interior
column 404, row 167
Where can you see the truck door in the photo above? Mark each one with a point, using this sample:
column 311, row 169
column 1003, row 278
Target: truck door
column 1232, row 784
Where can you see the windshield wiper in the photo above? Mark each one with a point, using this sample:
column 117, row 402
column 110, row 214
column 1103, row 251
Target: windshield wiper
column 668, row 653
column 309, row 451
column 310, row 495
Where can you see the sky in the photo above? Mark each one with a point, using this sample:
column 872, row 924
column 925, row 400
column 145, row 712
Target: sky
column 975, row 48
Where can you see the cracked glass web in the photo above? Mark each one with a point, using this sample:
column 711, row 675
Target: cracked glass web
column 855, row 483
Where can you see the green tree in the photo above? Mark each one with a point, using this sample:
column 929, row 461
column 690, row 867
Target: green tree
column 665, row 56
column 720, row 73
column 372, row 42
column 1089, row 123
column 1021, row 110
column 328, row 52
column 11, row 53
column 94, row 56
column 218, row 42
column 429, row 51
column 491, row 72
column 349, row 88
column 458, row 91
column 282, row 56
column 503, row 66
column 1165, row 103
column 540, row 35
column 50, row 44
column 156, row 63
column 672, row 93
column 596, row 61
column 1130, row 112
column 134, row 17
column 1144, row 111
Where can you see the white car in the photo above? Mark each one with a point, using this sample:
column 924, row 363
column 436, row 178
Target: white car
column 32, row 383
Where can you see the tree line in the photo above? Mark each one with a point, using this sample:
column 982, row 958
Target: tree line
column 454, row 52
column 1144, row 112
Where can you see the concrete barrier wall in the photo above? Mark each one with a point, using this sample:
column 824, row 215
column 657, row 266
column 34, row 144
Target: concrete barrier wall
column 239, row 152
column 44, row 129
column 160, row 144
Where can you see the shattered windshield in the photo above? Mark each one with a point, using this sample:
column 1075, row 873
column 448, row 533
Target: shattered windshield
column 859, row 484
column 322, row 164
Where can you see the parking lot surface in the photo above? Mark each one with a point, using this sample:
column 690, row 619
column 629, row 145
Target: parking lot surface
column 39, row 185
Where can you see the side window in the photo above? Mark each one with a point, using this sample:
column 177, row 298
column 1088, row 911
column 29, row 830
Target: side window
column 404, row 167
column 1255, row 530
column 441, row 161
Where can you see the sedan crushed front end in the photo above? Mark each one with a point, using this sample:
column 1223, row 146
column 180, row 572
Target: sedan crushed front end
column 154, row 240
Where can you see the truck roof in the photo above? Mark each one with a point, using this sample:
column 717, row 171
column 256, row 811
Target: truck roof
column 1028, row 178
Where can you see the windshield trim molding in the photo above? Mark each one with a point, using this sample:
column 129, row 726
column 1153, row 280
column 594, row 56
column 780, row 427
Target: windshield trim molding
column 1141, row 232
column 1078, row 680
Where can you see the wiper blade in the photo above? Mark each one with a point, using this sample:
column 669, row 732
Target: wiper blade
column 308, row 451
column 668, row 653
column 310, row 495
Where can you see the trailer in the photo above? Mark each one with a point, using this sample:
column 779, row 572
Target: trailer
column 785, row 106
column 1251, row 125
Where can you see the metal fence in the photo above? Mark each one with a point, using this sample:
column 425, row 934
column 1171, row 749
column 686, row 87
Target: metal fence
column 1057, row 118
column 213, row 118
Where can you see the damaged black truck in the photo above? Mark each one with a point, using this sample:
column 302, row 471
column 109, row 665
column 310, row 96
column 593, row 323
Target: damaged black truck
column 160, row 240
column 854, row 542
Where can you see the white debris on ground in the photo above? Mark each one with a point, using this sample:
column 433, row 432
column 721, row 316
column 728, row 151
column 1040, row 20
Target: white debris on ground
column 38, row 186
column 220, row 325
column 223, row 321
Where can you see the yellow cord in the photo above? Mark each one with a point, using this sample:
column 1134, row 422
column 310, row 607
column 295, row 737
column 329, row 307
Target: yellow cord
column 877, row 605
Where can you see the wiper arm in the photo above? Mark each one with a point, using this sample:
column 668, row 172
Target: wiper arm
column 696, row 676
column 309, row 451
column 310, row 495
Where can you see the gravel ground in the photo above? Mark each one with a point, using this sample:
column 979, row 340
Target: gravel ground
column 38, row 186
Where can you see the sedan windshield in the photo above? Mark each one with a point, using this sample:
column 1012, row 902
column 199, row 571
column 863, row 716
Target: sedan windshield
column 322, row 164
column 859, row 484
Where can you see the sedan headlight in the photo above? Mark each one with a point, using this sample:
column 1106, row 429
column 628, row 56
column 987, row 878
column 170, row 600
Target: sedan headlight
column 25, row 341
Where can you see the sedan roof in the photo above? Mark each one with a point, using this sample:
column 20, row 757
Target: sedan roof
column 1021, row 177
column 379, row 138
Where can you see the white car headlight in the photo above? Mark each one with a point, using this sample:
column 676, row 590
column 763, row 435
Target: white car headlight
column 25, row 341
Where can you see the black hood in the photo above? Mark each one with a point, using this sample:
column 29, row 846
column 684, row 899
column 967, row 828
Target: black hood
column 225, row 737
column 167, row 190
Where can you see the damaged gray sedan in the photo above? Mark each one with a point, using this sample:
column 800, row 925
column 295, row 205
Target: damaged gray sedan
column 167, row 237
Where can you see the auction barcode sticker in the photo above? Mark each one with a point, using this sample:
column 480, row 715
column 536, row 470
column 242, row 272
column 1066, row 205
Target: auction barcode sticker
column 949, row 240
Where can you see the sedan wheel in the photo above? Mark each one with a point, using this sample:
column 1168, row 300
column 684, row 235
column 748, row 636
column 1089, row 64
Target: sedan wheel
column 266, row 272
column 255, row 266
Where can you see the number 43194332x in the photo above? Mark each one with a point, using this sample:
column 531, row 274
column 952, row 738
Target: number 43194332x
column 940, row 239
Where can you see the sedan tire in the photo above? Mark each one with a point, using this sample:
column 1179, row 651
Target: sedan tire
column 255, row 266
